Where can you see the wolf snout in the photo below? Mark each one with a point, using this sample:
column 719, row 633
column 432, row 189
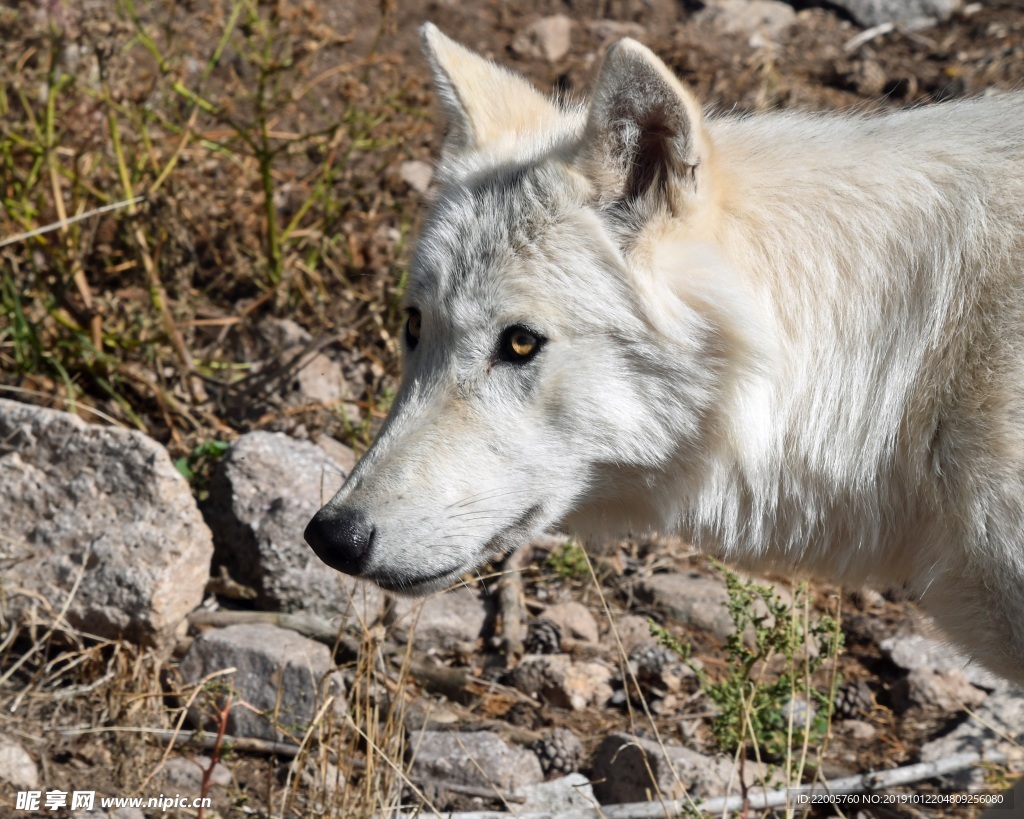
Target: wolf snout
column 341, row 538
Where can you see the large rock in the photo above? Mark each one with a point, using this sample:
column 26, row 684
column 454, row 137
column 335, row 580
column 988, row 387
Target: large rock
column 103, row 504
column 914, row 12
column 997, row 725
column 279, row 681
column 635, row 769
column 691, row 598
column 262, row 495
column 475, row 759
column 915, row 652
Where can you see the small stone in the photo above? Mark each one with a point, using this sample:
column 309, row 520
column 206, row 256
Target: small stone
column 548, row 38
column 17, row 768
column 609, row 30
column 280, row 679
column 800, row 711
column 557, row 797
column 634, row 631
column 858, row 729
column 765, row 19
column 417, row 175
column 575, row 620
column 185, row 774
column 316, row 378
column 127, row 813
column 451, row 620
column 917, row 13
column 479, row 759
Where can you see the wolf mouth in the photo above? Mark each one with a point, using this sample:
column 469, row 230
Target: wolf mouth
column 506, row 541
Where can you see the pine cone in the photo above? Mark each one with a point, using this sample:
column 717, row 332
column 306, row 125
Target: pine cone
column 853, row 700
column 560, row 752
column 657, row 667
column 543, row 637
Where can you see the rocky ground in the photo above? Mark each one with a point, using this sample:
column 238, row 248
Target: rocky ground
column 228, row 348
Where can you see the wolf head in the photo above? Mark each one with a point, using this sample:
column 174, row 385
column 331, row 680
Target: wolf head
column 568, row 340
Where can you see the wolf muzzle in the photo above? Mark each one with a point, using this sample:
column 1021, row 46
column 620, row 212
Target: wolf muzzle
column 341, row 539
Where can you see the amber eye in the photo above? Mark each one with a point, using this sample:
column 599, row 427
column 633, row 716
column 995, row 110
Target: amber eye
column 413, row 326
column 519, row 345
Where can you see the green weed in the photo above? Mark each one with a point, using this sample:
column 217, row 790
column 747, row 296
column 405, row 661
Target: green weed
column 777, row 655
column 569, row 562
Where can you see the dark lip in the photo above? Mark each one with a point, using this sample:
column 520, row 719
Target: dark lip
column 501, row 544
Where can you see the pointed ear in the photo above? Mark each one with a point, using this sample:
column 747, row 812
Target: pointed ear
column 483, row 101
column 645, row 138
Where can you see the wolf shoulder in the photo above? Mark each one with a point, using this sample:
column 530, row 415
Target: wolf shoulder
column 980, row 140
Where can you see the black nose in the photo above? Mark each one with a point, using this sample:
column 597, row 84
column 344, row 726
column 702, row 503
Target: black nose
column 341, row 539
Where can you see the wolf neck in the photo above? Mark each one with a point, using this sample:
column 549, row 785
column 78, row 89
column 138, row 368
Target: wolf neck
column 856, row 268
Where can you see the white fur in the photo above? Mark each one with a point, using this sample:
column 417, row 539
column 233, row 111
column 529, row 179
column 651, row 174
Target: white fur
column 797, row 340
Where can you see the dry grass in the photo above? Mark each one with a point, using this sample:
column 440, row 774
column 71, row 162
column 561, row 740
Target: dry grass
column 264, row 154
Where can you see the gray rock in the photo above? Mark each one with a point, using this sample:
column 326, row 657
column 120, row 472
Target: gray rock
column 127, row 813
column 185, row 774
column 857, row 729
column 548, row 38
column 17, row 767
column 634, row 632
column 316, row 378
column 567, row 793
column 610, row 30
column 451, row 620
column 417, row 175
column 916, row 12
column 914, row 652
column 947, row 691
column 634, row 769
column 263, row 493
column 691, row 598
column 342, row 455
column 476, row 759
column 575, row 621
column 765, row 19
column 280, row 675
column 997, row 724
column 105, row 504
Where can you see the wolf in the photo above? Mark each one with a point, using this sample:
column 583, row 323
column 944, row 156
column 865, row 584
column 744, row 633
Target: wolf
column 794, row 339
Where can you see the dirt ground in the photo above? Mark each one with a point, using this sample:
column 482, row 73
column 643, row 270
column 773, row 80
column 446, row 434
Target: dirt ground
column 267, row 140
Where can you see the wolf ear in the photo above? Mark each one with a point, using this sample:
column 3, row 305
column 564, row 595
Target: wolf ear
column 483, row 101
column 645, row 138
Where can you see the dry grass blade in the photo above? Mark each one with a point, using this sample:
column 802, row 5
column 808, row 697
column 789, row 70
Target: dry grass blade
column 70, row 220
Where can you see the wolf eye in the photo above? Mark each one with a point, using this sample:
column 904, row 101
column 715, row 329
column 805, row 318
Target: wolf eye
column 518, row 345
column 413, row 325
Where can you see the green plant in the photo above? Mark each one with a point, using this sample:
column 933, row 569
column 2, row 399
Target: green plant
column 568, row 561
column 776, row 656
